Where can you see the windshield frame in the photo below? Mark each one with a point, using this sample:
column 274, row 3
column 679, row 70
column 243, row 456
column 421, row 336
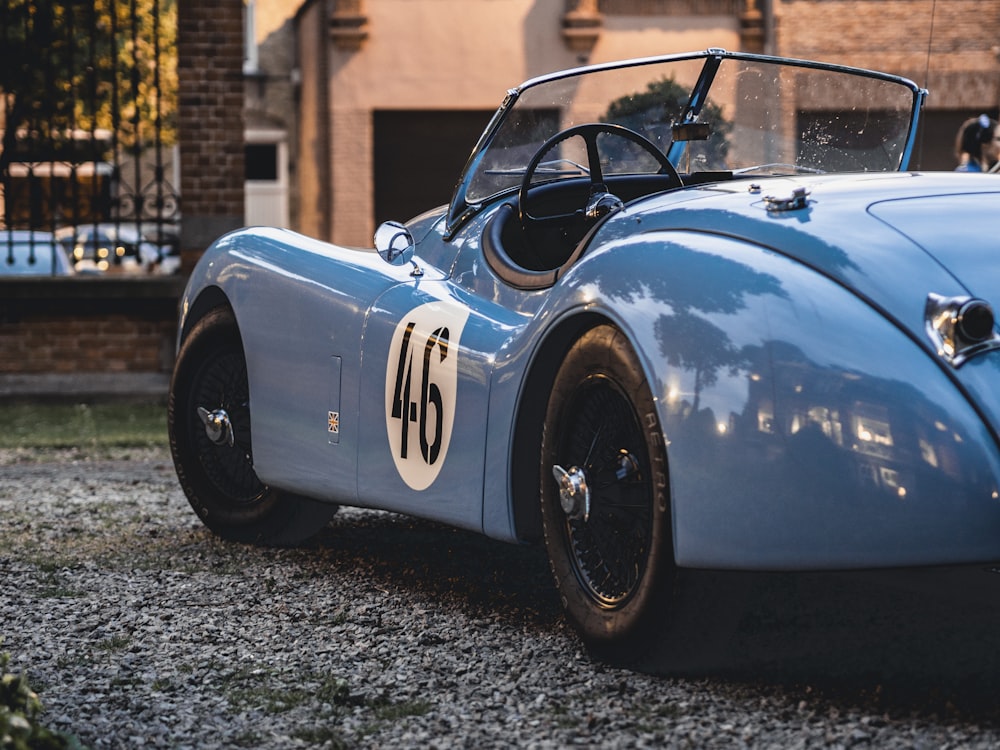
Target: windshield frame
column 462, row 209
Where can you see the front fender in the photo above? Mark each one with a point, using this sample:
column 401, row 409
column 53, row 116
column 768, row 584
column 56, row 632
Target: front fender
column 804, row 429
column 300, row 305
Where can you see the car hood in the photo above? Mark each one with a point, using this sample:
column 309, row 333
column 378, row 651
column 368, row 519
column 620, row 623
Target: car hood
column 961, row 230
column 891, row 238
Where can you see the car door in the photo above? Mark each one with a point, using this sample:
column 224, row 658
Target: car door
column 428, row 357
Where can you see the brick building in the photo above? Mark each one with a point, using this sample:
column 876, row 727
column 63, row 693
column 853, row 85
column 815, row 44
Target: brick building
column 951, row 47
column 339, row 92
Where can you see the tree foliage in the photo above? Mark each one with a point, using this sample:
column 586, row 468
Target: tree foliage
column 664, row 102
column 19, row 717
column 106, row 69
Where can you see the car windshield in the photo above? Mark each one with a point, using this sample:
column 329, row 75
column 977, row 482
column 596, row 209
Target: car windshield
column 709, row 112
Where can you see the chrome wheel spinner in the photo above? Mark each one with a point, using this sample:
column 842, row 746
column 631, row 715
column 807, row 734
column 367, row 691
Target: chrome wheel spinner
column 218, row 426
column 574, row 494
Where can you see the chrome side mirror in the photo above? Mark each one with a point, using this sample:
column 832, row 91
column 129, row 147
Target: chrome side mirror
column 395, row 245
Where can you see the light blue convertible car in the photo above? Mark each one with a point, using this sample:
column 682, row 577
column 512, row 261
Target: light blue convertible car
column 683, row 312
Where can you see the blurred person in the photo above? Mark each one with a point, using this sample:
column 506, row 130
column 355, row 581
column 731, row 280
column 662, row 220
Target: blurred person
column 977, row 145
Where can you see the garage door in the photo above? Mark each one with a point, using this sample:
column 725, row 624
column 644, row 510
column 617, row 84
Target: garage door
column 419, row 156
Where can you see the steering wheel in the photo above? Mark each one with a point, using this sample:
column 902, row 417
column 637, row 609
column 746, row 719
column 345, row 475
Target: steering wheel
column 601, row 201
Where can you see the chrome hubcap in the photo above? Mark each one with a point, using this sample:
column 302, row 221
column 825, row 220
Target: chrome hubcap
column 218, row 426
column 574, row 494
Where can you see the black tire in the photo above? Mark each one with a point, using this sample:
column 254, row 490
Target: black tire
column 217, row 475
column 614, row 566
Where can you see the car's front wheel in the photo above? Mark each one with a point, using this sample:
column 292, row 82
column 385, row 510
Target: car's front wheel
column 208, row 420
column 604, row 494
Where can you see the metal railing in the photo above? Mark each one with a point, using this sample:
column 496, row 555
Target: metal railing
column 88, row 128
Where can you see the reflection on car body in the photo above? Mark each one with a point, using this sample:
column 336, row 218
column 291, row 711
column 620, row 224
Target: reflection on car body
column 687, row 311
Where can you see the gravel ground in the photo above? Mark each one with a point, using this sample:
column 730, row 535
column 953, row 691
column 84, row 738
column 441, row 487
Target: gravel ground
column 140, row 629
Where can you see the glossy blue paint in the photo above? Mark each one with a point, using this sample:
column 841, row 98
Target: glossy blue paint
column 862, row 253
column 808, row 420
column 804, row 429
column 960, row 229
column 455, row 495
column 299, row 304
column 768, row 367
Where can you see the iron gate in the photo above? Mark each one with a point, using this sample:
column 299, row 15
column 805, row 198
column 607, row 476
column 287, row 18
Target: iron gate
column 88, row 149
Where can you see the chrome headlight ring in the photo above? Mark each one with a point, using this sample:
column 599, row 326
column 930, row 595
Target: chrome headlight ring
column 960, row 327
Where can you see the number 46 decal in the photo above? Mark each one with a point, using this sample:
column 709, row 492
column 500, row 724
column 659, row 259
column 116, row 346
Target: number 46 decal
column 421, row 380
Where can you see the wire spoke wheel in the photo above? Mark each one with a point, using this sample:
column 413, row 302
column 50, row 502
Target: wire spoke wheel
column 222, row 390
column 605, row 496
column 603, row 437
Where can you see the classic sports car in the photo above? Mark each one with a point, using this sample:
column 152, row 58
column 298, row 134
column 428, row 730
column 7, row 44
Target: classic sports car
column 681, row 312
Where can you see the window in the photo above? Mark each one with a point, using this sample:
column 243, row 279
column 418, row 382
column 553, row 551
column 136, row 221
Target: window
column 261, row 161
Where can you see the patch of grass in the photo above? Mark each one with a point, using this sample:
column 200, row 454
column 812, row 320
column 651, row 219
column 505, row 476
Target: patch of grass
column 384, row 711
column 50, row 586
column 261, row 690
column 114, row 643
column 261, row 694
column 562, row 717
column 250, row 738
column 105, row 425
column 396, row 711
column 667, row 711
column 127, row 682
column 76, row 659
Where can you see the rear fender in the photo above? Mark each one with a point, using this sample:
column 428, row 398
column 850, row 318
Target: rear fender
column 804, row 429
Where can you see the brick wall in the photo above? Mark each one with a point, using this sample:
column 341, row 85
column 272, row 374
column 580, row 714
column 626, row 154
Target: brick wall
column 87, row 336
column 957, row 59
column 210, row 125
column 115, row 342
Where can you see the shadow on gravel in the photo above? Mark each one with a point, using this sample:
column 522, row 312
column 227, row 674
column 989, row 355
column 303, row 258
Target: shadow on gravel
column 924, row 641
column 485, row 577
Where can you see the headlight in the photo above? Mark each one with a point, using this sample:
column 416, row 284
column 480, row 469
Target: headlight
column 959, row 327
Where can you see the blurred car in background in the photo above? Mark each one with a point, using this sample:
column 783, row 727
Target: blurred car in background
column 111, row 247
column 25, row 252
column 167, row 237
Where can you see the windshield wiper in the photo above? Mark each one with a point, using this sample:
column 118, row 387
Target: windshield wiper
column 778, row 168
column 547, row 168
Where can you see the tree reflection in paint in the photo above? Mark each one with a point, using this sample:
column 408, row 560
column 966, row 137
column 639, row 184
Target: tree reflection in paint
column 696, row 285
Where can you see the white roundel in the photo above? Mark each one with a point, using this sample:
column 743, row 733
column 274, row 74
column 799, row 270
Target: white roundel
column 421, row 382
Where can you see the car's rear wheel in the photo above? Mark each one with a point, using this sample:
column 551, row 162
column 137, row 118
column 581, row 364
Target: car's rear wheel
column 604, row 494
column 208, row 420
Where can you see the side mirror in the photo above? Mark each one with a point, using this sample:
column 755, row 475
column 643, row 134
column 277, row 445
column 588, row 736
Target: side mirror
column 394, row 243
